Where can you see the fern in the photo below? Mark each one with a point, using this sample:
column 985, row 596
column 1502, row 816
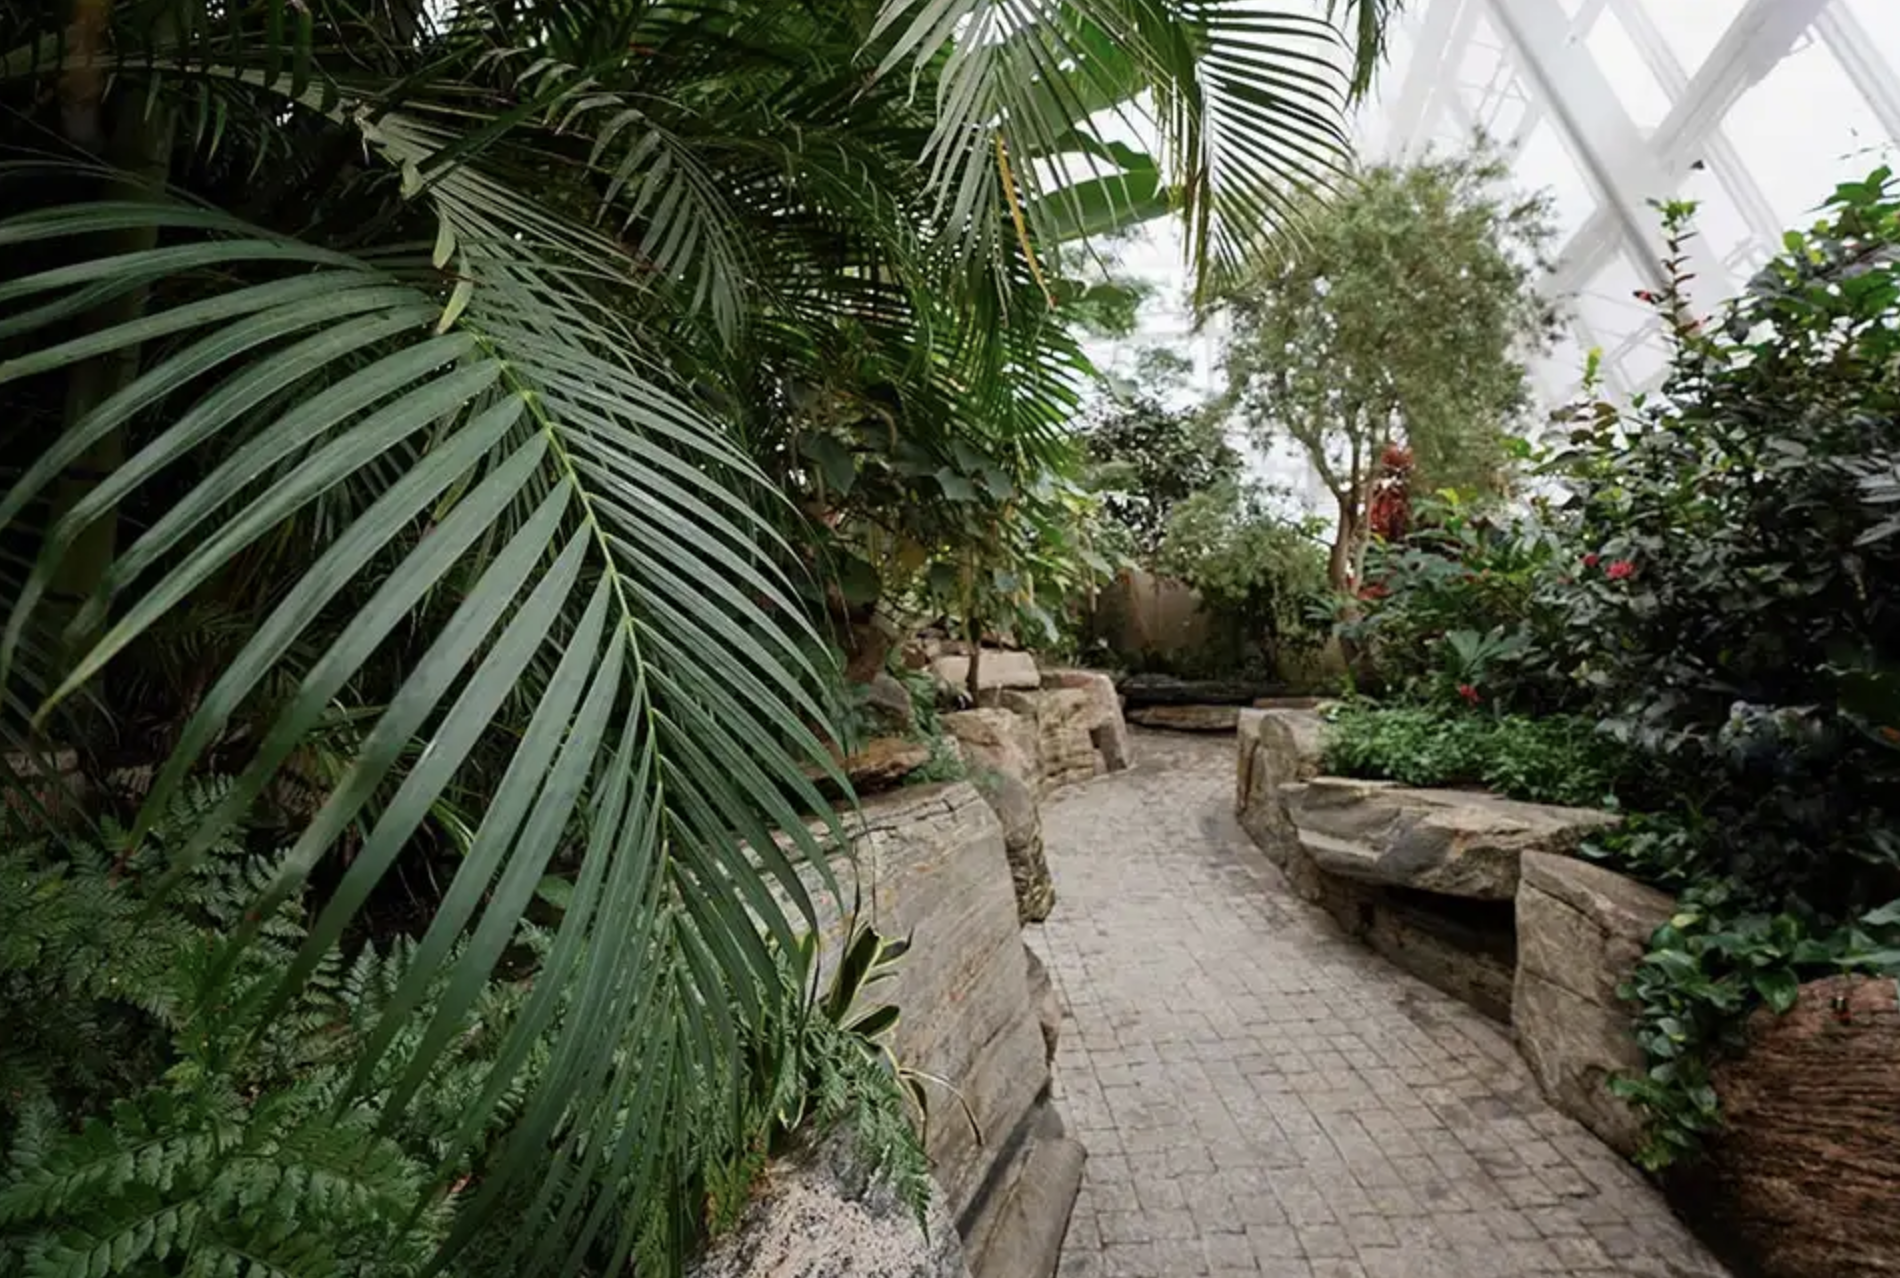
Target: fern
column 159, row 1123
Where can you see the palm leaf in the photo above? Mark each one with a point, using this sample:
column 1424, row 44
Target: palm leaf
column 1247, row 104
column 565, row 474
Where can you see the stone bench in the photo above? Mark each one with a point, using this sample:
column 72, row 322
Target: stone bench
column 1477, row 895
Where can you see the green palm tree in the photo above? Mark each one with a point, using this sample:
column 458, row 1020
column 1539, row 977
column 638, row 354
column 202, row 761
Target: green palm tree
column 387, row 390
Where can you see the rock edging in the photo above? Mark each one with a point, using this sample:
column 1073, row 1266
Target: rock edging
column 1580, row 930
column 1477, row 895
column 932, row 865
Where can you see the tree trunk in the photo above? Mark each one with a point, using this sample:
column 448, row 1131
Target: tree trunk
column 139, row 144
column 1339, row 563
column 973, row 632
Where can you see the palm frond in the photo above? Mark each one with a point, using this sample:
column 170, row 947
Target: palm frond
column 669, row 734
column 1247, row 105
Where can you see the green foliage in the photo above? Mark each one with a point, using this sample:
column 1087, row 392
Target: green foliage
column 165, row 1115
column 425, row 413
column 1737, row 609
column 1721, row 956
column 1148, row 460
column 1260, row 573
column 1734, row 605
column 1455, row 603
column 944, row 764
column 1555, row 759
column 1403, row 316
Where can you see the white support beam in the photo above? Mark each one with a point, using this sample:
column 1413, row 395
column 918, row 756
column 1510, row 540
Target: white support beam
column 1859, row 55
column 1611, row 150
column 1759, row 37
column 1714, row 149
column 1430, row 69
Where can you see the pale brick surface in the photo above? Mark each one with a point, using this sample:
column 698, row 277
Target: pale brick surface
column 1259, row 1095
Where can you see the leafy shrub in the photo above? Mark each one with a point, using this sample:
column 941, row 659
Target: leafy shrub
column 1733, row 605
column 1559, row 759
column 1458, row 586
column 1262, row 574
column 1147, row 459
column 1737, row 604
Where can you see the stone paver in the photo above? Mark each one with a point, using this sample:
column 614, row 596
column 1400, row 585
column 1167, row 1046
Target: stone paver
column 1260, row 1095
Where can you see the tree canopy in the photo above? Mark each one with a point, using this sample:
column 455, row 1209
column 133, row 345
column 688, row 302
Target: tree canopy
column 1402, row 316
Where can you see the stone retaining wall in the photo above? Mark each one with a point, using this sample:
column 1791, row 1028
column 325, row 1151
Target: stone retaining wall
column 931, row 864
column 1476, row 895
column 1021, row 743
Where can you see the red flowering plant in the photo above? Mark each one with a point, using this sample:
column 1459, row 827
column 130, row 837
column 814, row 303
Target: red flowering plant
column 1734, row 612
column 1450, row 603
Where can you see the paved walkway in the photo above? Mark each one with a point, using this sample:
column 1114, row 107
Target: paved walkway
column 1259, row 1095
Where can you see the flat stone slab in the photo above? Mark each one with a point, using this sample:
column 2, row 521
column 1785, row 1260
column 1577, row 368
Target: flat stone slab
column 1171, row 718
column 1457, row 842
column 997, row 669
column 1166, row 690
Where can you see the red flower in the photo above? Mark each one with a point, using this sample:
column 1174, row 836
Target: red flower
column 1469, row 693
column 1373, row 590
column 1620, row 569
column 1591, row 560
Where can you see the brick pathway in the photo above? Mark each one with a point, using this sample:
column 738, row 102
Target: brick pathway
column 1259, row 1095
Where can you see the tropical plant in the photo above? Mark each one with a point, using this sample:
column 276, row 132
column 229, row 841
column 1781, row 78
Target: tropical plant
column 1735, row 602
column 1147, row 458
column 161, row 1116
column 455, row 360
column 1260, row 573
column 1404, row 316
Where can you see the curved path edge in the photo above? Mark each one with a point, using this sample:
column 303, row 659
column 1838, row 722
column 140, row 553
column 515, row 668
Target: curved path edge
column 1261, row 1095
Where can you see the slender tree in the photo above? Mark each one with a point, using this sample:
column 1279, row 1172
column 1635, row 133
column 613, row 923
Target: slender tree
column 1403, row 316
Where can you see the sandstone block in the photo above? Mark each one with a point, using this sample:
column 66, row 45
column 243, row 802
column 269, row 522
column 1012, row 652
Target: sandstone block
column 932, row 865
column 889, row 704
column 1275, row 748
column 997, row 669
column 1023, row 1237
column 1107, row 730
column 997, row 740
column 1460, row 843
column 1580, row 930
column 1015, row 806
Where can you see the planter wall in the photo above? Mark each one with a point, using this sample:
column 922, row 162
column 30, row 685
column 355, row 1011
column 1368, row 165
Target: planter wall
column 1476, row 895
column 931, row 865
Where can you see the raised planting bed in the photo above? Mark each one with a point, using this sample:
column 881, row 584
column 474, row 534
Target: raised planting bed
column 1476, row 895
